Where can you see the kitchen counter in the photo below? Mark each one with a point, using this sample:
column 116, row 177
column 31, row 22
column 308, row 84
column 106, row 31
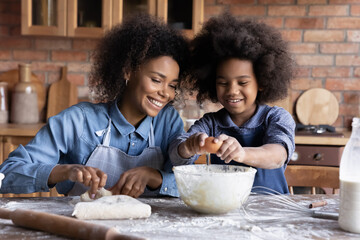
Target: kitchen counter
column 12, row 129
column 323, row 140
column 172, row 219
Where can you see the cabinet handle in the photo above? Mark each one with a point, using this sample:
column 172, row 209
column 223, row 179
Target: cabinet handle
column 318, row 157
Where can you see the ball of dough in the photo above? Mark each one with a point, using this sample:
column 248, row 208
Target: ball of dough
column 112, row 207
column 85, row 197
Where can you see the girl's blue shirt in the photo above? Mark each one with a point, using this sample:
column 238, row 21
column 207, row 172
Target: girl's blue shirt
column 71, row 136
column 269, row 125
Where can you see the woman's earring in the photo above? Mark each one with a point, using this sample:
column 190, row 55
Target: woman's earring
column 126, row 82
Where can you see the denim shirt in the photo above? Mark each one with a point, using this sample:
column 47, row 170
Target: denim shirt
column 70, row 138
column 269, row 125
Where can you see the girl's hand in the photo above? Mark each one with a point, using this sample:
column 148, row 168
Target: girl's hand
column 230, row 149
column 134, row 181
column 89, row 176
column 193, row 145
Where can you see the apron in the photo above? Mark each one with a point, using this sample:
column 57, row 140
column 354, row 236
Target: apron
column 269, row 178
column 114, row 162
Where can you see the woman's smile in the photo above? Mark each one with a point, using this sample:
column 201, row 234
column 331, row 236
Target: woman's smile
column 155, row 102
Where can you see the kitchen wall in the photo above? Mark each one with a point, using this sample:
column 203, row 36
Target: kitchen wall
column 324, row 37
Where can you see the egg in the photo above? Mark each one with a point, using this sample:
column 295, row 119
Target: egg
column 210, row 146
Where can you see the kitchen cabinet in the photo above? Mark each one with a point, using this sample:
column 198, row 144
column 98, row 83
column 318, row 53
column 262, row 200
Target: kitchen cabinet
column 186, row 15
column 41, row 17
column 91, row 18
column 318, row 151
column 72, row 18
column 11, row 136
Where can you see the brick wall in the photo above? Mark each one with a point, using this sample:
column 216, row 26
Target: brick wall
column 324, row 36
column 46, row 54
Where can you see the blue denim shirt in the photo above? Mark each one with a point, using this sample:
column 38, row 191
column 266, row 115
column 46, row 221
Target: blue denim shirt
column 268, row 125
column 70, row 138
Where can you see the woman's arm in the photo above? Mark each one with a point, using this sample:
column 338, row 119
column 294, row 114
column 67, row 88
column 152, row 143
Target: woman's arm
column 28, row 168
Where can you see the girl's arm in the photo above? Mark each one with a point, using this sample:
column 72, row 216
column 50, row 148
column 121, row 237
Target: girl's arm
column 185, row 149
column 268, row 156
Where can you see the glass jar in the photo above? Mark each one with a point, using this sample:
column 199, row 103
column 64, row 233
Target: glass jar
column 24, row 106
column 4, row 113
column 44, row 12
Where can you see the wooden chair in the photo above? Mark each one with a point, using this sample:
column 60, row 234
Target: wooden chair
column 312, row 176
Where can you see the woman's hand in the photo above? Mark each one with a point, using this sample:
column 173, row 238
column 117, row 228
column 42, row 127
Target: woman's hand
column 89, row 176
column 193, row 145
column 134, row 181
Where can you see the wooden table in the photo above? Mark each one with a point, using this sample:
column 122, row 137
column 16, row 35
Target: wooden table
column 172, row 219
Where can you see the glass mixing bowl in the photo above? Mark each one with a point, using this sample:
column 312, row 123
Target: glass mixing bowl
column 214, row 189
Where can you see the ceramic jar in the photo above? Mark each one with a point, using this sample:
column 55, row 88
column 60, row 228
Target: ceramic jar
column 4, row 112
column 24, row 106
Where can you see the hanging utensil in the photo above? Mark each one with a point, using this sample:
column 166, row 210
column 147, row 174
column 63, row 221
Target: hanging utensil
column 62, row 94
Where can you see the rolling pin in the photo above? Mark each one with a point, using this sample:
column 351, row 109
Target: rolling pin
column 62, row 225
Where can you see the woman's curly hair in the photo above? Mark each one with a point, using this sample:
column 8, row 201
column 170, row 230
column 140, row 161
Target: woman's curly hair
column 226, row 37
column 128, row 45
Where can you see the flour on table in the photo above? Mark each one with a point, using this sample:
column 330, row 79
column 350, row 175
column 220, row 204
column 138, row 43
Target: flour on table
column 85, row 197
column 112, row 207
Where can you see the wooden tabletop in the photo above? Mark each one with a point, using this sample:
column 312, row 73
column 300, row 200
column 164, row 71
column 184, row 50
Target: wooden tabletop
column 172, row 219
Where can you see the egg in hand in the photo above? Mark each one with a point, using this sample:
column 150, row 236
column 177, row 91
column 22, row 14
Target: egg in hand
column 211, row 146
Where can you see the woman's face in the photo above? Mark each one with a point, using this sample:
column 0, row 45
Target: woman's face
column 237, row 88
column 150, row 88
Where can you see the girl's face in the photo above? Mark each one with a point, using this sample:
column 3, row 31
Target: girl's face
column 237, row 88
column 149, row 89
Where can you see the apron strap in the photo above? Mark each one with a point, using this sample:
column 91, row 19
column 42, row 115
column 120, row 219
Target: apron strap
column 151, row 136
column 106, row 141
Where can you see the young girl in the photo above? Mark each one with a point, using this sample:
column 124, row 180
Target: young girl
column 121, row 143
column 242, row 65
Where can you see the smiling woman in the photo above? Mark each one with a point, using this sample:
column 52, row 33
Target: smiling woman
column 150, row 88
column 120, row 143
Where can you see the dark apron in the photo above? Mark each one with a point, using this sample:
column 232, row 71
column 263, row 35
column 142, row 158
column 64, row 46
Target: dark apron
column 268, row 178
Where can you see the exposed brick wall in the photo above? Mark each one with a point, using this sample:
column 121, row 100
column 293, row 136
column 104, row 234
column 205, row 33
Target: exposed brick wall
column 324, row 37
